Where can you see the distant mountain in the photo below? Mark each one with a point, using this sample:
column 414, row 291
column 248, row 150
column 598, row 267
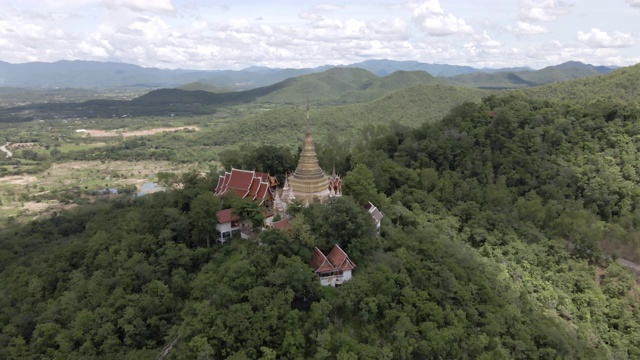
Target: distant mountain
column 88, row 74
column 94, row 74
column 340, row 86
column 336, row 86
column 508, row 69
column 516, row 79
column 386, row 67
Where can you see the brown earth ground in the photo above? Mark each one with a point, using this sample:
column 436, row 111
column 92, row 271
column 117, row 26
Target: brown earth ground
column 105, row 133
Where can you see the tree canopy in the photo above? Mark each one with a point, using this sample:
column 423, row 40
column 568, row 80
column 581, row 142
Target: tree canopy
column 500, row 225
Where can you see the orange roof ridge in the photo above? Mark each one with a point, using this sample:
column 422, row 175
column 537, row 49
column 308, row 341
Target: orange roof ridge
column 319, row 262
column 339, row 259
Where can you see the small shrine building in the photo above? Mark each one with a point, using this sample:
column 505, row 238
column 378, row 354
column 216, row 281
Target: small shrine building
column 334, row 268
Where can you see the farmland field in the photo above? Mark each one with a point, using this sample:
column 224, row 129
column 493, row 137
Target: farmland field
column 35, row 194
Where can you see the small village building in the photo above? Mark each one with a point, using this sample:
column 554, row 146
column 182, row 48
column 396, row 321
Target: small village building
column 333, row 269
column 228, row 225
column 375, row 214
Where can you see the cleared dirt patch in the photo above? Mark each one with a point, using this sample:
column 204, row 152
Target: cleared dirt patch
column 18, row 180
column 105, row 133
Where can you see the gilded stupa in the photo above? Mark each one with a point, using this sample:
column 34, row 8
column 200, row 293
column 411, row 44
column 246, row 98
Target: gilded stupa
column 308, row 182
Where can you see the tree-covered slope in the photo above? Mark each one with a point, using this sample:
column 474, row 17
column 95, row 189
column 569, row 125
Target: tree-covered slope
column 489, row 249
column 620, row 85
column 126, row 280
column 409, row 107
column 199, row 85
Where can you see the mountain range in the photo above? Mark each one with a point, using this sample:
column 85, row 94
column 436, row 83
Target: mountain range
column 335, row 86
column 93, row 74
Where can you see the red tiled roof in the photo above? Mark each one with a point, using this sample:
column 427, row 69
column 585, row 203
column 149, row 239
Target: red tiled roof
column 262, row 176
column 340, row 259
column 240, row 179
column 253, row 188
column 245, row 184
column 226, row 216
column 319, row 262
column 283, row 224
column 223, row 182
column 219, row 185
column 262, row 191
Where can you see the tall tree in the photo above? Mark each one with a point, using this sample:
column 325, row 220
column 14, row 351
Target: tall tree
column 203, row 215
column 360, row 184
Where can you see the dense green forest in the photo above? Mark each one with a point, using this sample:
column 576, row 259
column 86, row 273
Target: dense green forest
column 502, row 224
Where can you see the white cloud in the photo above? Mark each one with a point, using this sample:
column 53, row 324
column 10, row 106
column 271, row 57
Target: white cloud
column 430, row 16
column 389, row 27
column 486, row 41
column 525, row 28
column 599, row 39
column 483, row 47
column 175, row 34
column 94, row 52
column 154, row 6
column 634, row 3
column 327, row 7
column 542, row 10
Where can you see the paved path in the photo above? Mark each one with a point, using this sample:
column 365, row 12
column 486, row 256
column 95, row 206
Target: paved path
column 4, row 148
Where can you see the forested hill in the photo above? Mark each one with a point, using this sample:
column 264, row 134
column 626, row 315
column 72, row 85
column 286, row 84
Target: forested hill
column 500, row 222
column 527, row 78
column 620, row 85
column 332, row 87
column 336, row 86
column 409, row 107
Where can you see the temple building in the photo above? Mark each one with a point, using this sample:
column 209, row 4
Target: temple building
column 333, row 269
column 253, row 185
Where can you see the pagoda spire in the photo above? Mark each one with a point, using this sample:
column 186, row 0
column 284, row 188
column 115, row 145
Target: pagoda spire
column 308, row 180
column 308, row 118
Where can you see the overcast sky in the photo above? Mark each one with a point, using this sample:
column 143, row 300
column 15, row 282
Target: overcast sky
column 210, row 34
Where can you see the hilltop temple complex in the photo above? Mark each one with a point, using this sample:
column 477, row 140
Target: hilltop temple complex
column 308, row 183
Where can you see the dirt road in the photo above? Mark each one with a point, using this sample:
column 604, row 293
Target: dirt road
column 4, row 148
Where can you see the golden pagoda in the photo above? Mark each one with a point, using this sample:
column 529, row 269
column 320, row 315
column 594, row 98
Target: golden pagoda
column 308, row 182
